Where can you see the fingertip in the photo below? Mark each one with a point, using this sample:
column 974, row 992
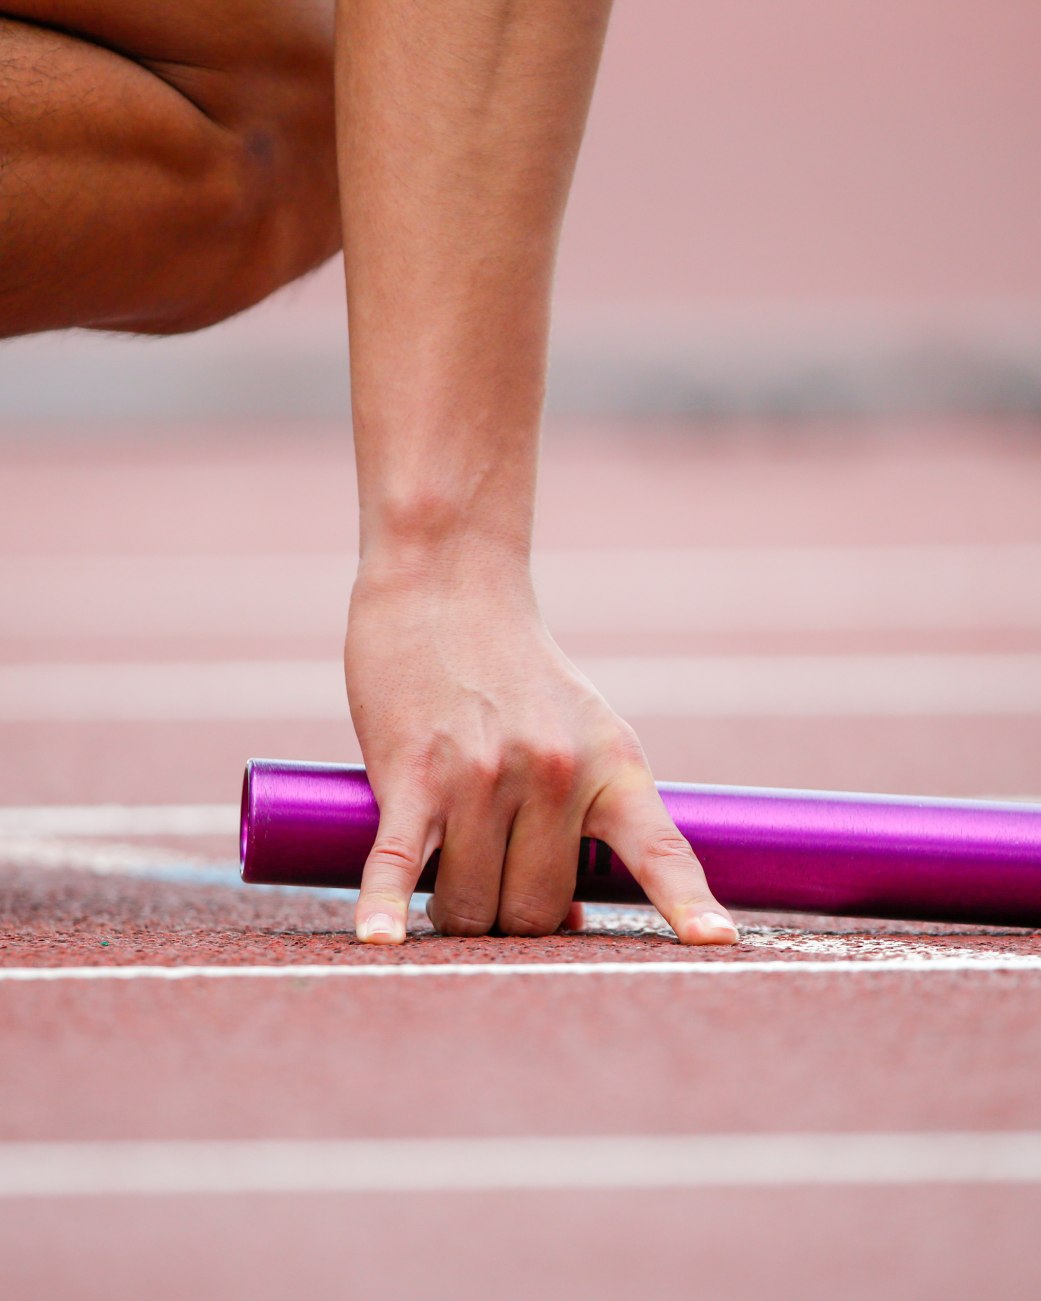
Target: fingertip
column 381, row 928
column 388, row 879
column 707, row 928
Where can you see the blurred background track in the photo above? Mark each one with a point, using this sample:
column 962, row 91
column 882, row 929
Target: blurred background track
column 836, row 608
column 812, row 207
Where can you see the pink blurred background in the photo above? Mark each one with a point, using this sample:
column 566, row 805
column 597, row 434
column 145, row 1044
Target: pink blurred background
column 802, row 207
column 812, row 152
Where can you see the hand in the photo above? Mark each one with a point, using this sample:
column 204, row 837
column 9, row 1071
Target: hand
column 481, row 738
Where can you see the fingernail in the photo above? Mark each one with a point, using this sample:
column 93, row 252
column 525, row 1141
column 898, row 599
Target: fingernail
column 380, row 926
column 717, row 927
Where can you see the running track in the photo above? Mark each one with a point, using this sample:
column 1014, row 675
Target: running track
column 212, row 1091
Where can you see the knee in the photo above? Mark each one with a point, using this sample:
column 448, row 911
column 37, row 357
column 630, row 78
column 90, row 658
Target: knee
column 272, row 200
column 287, row 162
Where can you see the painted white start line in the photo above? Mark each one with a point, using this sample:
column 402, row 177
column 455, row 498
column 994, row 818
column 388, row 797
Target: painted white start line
column 711, row 967
column 39, row 837
column 504, row 1164
column 119, row 820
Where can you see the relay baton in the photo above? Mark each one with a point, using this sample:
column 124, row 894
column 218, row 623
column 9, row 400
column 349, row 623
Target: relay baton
column 768, row 850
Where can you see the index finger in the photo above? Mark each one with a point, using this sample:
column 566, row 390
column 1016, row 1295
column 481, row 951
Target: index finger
column 405, row 839
column 629, row 816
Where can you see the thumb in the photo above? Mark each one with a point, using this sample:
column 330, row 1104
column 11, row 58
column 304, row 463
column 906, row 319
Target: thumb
column 631, row 818
column 404, row 842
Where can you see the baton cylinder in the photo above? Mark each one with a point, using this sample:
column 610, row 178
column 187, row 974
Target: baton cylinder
column 762, row 849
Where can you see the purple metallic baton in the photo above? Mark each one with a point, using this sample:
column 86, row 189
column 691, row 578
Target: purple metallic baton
column 769, row 850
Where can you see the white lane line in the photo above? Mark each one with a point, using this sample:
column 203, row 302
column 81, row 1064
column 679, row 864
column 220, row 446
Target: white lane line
column 119, row 820
column 596, row 589
column 669, row 686
column 109, row 1169
column 985, row 962
column 59, row 837
column 106, row 858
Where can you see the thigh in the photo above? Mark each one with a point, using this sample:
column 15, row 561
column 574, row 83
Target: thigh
column 161, row 165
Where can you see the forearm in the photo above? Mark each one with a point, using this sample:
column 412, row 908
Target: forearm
column 458, row 127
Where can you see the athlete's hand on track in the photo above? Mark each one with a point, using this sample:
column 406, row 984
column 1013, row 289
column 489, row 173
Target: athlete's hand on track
column 480, row 738
column 457, row 142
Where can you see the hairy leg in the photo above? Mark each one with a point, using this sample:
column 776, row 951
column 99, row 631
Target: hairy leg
column 161, row 166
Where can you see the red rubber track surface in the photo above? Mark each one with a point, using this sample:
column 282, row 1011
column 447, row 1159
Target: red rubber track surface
column 857, row 1050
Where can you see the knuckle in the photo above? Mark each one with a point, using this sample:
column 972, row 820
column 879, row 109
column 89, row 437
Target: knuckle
column 462, row 921
column 392, row 851
column 423, row 771
column 557, row 769
column 392, row 861
column 485, row 771
column 382, row 896
column 529, row 917
column 669, row 864
column 666, row 847
column 627, row 749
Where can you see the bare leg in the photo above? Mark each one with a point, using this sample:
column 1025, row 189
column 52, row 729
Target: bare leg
column 161, row 166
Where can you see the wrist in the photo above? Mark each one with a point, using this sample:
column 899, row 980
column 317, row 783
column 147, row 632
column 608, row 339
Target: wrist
column 445, row 560
column 428, row 521
column 480, row 522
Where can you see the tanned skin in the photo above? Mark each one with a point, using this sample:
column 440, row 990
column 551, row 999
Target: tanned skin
column 164, row 166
